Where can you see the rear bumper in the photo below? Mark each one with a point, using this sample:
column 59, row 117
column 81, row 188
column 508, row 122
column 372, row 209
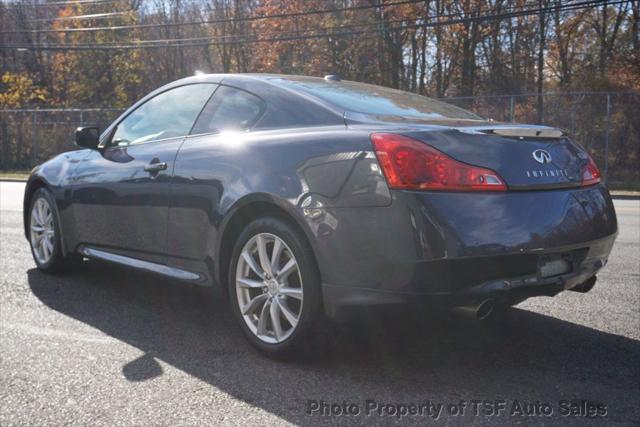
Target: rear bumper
column 586, row 261
column 461, row 246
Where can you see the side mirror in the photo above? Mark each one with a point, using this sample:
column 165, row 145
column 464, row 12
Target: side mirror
column 88, row 137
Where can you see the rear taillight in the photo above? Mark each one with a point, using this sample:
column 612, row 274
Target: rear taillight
column 590, row 173
column 412, row 165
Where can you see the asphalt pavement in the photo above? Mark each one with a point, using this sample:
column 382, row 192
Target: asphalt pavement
column 108, row 346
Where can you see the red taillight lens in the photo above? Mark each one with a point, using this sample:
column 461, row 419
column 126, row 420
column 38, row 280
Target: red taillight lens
column 412, row 165
column 590, row 173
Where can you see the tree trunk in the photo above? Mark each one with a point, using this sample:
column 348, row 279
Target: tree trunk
column 634, row 26
column 541, row 48
column 469, row 44
column 563, row 48
column 414, row 63
column 423, row 62
column 439, row 76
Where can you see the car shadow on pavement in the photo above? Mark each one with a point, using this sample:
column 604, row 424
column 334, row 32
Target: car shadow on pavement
column 388, row 357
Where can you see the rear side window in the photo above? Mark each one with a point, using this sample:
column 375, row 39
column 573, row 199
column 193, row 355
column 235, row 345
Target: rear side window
column 229, row 109
column 169, row 114
column 378, row 100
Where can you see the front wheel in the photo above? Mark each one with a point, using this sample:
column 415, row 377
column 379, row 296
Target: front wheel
column 44, row 234
column 274, row 287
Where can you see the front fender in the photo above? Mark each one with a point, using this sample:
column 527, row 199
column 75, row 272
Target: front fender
column 56, row 175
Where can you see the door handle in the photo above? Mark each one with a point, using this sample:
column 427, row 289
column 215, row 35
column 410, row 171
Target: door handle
column 155, row 167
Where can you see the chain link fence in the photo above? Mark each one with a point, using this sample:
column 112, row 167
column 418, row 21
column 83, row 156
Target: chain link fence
column 605, row 123
column 30, row 136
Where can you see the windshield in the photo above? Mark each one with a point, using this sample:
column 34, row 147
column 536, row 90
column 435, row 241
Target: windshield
column 378, row 100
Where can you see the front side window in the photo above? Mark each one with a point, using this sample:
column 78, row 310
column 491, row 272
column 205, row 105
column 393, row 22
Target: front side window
column 167, row 115
column 229, row 109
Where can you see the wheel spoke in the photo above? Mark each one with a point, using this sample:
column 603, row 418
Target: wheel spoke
column 275, row 256
column 275, row 320
column 249, row 283
column 253, row 304
column 248, row 258
column 264, row 315
column 262, row 254
column 48, row 218
column 35, row 213
column 288, row 314
column 37, row 229
column 41, row 211
column 288, row 268
column 49, row 244
column 291, row 292
column 45, row 249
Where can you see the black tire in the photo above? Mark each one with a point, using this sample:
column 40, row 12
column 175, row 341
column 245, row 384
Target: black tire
column 57, row 263
column 299, row 342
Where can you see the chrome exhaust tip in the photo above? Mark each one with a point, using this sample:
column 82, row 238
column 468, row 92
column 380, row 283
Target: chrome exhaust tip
column 485, row 309
column 480, row 311
column 585, row 286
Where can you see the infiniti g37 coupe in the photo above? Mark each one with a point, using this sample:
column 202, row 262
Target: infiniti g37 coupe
column 304, row 197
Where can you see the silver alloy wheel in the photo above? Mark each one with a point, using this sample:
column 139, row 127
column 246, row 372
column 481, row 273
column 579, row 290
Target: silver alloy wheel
column 269, row 288
column 43, row 231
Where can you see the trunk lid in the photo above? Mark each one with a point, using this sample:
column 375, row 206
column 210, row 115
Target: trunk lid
column 526, row 157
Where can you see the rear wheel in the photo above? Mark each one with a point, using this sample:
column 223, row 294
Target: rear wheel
column 274, row 287
column 44, row 234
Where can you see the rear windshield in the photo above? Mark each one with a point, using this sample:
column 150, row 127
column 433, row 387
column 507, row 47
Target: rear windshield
column 378, row 100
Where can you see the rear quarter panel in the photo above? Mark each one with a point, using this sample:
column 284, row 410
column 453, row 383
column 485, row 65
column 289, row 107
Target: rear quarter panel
column 303, row 171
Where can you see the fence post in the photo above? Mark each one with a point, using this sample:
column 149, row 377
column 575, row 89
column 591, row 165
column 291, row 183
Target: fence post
column 574, row 107
column 511, row 109
column 606, row 138
column 5, row 164
column 34, row 139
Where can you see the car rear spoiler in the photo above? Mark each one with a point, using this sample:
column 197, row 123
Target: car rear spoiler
column 518, row 131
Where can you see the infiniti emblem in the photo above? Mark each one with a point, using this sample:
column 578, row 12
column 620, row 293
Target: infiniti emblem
column 542, row 156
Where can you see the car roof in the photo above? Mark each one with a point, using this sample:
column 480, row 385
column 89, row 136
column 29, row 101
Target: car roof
column 230, row 77
column 252, row 82
column 247, row 80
